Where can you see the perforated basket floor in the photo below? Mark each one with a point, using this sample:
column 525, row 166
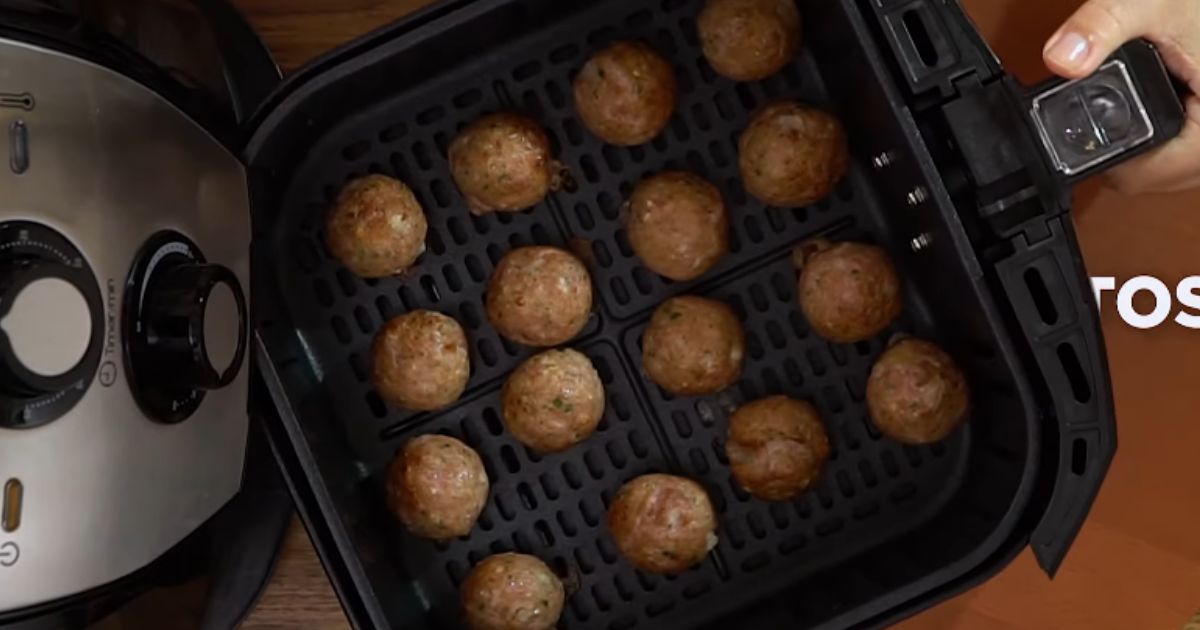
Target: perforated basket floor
column 873, row 490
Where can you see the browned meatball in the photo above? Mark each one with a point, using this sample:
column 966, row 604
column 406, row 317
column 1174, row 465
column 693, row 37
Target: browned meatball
column 539, row 296
column 749, row 40
column 849, row 292
column 502, row 162
column 678, row 225
column 663, row 523
column 916, row 394
column 626, row 93
column 376, row 227
column 437, row 487
column 693, row 346
column 554, row 400
column 420, row 361
column 792, row 155
column 777, row 447
column 512, row 591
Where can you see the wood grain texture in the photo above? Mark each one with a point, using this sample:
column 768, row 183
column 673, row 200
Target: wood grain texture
column 298, row 30
column 299, row 595
column 1136, row 564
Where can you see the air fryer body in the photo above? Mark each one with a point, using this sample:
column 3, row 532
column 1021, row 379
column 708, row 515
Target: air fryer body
column 134, row 481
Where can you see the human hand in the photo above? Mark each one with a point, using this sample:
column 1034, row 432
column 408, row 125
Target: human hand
column 1095, row 31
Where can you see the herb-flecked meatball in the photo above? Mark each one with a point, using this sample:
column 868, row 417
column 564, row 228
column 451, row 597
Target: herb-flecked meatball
column 663, row 523
column 437, row 487
column 777, row 447
column 693, row 346
column 420, row 361
column 749, row 40
column 539, row 296
column 376, row 227
column 626, row 93
column 849, row 292
column 554, row 400
column 916, row 393
column 678, row 225
column 512, row 591
column 792, row 155
column 502, row 163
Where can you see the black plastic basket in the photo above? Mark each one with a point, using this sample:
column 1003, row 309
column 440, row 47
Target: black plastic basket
column 890, row 529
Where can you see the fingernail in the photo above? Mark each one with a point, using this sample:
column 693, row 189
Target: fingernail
column 1069, row 50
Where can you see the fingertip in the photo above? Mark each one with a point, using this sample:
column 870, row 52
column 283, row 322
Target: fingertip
column 1094, row 32
column 1070, row 54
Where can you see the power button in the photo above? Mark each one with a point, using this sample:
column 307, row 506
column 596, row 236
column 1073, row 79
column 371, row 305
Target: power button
column 18, row 146
column 10, row 505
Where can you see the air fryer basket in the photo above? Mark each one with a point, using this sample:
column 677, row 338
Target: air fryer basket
column 888, row 530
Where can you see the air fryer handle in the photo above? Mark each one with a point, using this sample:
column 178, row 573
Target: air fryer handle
column 1047, row 287
column 1154, row 108
column 250, row 71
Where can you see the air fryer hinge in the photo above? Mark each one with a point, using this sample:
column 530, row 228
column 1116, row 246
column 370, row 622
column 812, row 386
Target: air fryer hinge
column 995, row 146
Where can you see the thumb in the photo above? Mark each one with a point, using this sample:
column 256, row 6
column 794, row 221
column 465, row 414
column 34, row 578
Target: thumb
column 1169, row 168
column 1096, row 30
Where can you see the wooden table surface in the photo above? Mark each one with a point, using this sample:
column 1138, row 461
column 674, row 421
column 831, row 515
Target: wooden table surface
column 1136, row 565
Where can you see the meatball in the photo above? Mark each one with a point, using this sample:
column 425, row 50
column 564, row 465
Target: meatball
column 849, row 292
column 437, row 487
column 553, row 401
column 678, row 225
column 693, row 346
column 420, row 361
column 539, row 296
column 776, row 447
column 376, row 227
column 626, row 93
column 663, row 523
column 502, row 163
column 749, row 40
column 792, row 155
column 512, row 591
column 916, row 394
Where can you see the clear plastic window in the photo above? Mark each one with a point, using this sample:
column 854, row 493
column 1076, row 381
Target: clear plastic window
column 1087, row 122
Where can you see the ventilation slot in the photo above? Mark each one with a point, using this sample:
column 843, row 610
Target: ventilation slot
column 919, row 34
column 1079, row 456
column 1041, row 297
column 1076, row 375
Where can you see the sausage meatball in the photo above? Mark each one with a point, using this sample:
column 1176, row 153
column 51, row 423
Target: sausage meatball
column 539, row 296
column 849, row 292
column 663, row 523
column 512, row 591
column 420, row 361
column 376, row 227
column 626, row 93
column 792, row 155
column 502, row 163
column 777, row 447
column 437, row 487
column 553, row 401
column 678, row 225
column 916, row 394
column 749, row 40
column 693, row 346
